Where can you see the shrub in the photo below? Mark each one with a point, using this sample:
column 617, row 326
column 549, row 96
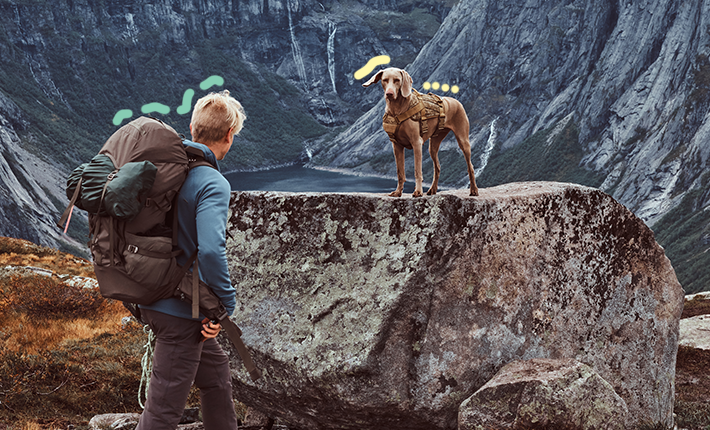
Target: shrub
column 84, row 378
column 45, row 296
column 19, row 246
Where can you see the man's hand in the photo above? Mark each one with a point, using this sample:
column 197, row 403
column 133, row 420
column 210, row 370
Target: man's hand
column 210, row 330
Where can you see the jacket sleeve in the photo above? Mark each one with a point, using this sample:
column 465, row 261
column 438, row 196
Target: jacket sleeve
column 212, row 208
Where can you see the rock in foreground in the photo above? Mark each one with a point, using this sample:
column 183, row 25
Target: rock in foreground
column 366, row 311
column 544, row 394
column 695, row 332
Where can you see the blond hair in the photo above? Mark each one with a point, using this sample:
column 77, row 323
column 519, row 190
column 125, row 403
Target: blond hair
column 214, row 115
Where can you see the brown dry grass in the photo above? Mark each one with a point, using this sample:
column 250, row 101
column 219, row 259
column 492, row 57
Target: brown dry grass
column 29, row 425
column 61, row 364
column 30, row 335
column 59, row 368
column 695, row 307
column 692, row 379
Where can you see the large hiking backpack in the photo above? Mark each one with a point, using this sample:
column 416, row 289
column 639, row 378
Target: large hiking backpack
column 129, row 190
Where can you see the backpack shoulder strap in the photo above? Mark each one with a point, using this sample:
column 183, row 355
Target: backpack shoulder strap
column 196, row 157
column 235, row 335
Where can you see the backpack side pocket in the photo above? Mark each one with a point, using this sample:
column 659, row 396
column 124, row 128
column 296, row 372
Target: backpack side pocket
column 106, row 240
column 149, row 259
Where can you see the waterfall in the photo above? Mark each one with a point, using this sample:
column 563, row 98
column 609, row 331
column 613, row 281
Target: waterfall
column 331, row 53
column 37, row 68
column 295, row 49
column 131, row 28
column 28, row 58
column 490, row 144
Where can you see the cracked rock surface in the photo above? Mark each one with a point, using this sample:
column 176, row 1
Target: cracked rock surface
column 366, row 311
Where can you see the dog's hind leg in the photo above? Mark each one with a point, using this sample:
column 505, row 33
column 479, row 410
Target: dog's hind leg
column 457, row 121
column 434, row 144
column 418, row 178
column 460, row 126
column 465, row 146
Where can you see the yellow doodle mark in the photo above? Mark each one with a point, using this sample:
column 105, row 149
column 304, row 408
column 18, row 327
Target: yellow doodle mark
column 445, row 87
column 370, row 66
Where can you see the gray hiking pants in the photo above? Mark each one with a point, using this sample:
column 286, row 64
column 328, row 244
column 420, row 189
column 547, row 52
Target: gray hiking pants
column 179, row 359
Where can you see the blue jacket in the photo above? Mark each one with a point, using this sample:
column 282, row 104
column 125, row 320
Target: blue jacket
column 203, row 205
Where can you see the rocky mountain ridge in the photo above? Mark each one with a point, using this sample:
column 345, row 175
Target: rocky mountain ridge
column 607, row 94
column 31, row 186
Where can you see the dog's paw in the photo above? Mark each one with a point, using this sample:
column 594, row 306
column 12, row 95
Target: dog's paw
column 431, row 192
column 395, row 194
column 474, row 193
column 417, row 193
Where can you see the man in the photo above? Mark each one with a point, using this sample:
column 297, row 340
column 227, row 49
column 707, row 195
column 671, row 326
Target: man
column 185, row 348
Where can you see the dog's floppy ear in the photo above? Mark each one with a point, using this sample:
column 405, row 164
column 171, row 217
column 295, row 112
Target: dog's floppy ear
column 406, row 84
column 375, row 78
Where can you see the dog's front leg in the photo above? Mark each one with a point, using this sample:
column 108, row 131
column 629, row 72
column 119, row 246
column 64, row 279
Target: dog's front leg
column 418, row 178
column 399, row 159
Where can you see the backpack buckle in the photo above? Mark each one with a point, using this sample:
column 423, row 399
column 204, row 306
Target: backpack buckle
column 132, row 249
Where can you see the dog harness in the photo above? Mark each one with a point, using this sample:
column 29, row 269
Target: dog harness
column 422, row 107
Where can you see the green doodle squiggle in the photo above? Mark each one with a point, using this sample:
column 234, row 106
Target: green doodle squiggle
column 212, row 81
column 184, row 108
column 186, row 102
column 155, row 107
column 121, row 115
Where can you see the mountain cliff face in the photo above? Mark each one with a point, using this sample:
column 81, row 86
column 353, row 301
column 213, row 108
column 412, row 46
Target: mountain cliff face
column 624, row 76
column 29, row 186
column 608, row 94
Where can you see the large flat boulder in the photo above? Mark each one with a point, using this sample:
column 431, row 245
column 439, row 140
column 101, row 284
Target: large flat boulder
column 366, row 311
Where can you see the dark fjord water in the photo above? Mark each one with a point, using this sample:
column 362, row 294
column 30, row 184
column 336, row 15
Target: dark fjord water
column 301, row 179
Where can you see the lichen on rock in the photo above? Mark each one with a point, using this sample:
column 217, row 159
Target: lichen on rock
column 366, row 311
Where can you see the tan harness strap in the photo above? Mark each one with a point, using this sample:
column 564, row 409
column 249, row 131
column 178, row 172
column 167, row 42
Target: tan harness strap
column 391, row 123
column 441, row 115
column 391, row 127
column 410, row 113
